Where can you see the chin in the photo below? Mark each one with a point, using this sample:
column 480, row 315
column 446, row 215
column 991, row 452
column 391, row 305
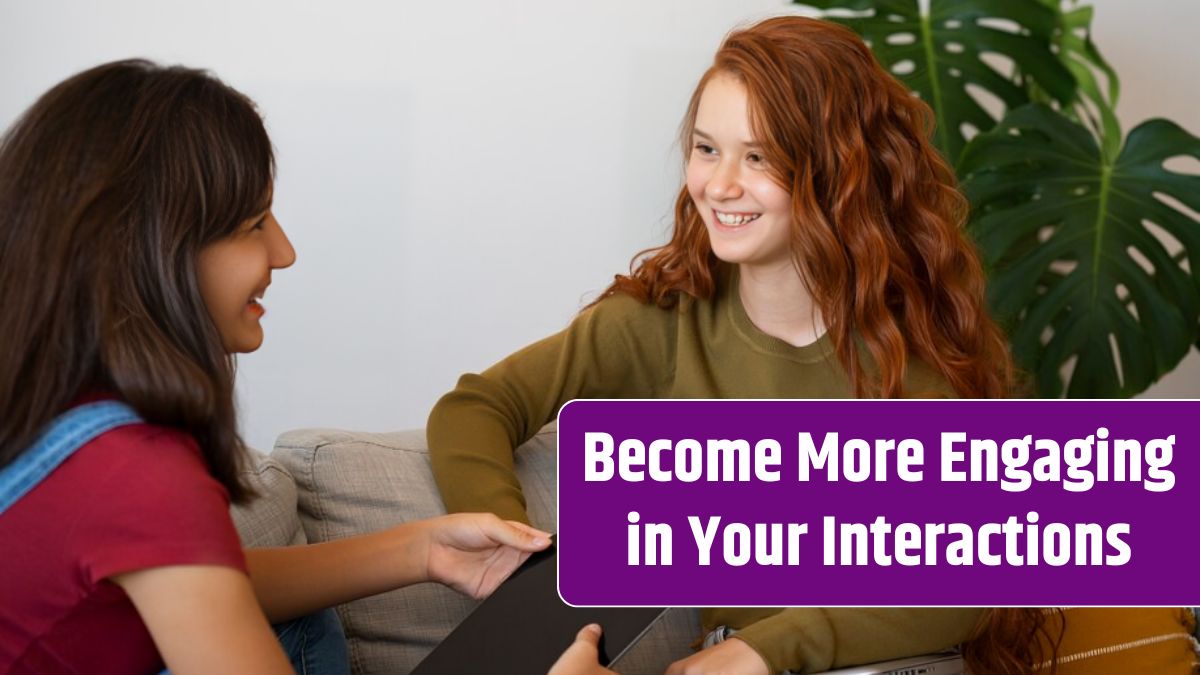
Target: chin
column 730, row 254
column 247, row 344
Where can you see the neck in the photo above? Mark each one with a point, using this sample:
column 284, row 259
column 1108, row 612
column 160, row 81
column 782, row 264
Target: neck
column 779, row 304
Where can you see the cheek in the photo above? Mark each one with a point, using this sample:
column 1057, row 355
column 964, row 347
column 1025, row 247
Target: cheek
column 697, row 178
column 211, row 271
column 227, row 276
column 772, row 196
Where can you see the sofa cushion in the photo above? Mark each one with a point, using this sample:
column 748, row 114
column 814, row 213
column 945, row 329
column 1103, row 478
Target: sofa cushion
column 271, row 518
column 351, row 483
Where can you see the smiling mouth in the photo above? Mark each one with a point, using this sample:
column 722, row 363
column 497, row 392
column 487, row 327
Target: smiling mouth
column 255, row 302
column 735, row 219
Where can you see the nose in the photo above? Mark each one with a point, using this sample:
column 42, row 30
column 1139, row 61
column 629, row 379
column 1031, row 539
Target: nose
column 282, row 254
column 725, row 182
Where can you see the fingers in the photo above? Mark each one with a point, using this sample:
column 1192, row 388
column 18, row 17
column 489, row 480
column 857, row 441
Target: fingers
column 479, row 531
column 730, row 656
column 533, row 532
column 517, row 535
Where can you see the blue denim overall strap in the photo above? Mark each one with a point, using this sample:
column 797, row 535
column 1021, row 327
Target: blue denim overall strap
column 65, row 434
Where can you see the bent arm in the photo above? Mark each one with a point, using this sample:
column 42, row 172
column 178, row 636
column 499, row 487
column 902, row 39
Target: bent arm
column 615, row 349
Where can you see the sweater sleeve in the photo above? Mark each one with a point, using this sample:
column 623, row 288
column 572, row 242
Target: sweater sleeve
column 814, row 639
column 618, row 348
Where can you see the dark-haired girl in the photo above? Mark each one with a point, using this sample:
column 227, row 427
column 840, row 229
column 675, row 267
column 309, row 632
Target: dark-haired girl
column 136, row 244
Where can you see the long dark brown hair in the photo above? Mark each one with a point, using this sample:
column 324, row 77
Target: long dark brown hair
column 877, row 220
column 110, row 185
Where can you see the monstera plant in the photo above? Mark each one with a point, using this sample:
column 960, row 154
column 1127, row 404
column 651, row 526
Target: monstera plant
column 1091, row 240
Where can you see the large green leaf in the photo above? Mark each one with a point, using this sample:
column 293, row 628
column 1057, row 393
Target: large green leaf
column 1058, row 228
column 1095, row 104
column 944, row 50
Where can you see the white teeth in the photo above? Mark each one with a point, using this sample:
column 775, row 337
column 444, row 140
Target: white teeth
column 735, row 219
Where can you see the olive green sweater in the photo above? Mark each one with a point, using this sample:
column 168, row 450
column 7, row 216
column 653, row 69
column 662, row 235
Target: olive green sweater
column 622, row 348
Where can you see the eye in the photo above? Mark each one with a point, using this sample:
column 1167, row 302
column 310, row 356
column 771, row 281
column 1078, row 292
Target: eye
column 705, row 149
column 756, row 159
column 260, row 223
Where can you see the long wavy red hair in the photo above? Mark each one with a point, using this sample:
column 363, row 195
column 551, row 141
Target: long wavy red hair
column 877, row 235
column 877, row 228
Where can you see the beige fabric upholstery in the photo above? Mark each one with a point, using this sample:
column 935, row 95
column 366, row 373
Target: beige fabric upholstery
column 271, row 519
column 352, row 483
column 323, row 484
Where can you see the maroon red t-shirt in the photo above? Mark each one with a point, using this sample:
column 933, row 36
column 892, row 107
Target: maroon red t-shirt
column 136, row 497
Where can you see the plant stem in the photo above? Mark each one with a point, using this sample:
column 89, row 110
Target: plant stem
column 935, row 85
column 1101, row 209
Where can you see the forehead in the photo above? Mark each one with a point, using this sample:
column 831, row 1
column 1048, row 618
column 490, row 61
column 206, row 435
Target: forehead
column 723, row 109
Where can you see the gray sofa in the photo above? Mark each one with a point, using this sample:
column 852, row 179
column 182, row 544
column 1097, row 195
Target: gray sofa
column 322, row 484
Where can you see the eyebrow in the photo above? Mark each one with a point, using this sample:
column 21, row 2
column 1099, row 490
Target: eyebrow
column 262, row 215
column 255, row 221
column 748, row 144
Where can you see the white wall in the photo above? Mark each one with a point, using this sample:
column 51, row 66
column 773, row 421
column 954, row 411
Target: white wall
column 458, row 177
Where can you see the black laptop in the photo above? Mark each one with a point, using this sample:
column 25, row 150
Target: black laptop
column 524, row 627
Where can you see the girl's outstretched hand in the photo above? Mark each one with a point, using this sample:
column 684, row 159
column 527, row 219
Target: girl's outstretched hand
column 731, row 657
column 473, row 552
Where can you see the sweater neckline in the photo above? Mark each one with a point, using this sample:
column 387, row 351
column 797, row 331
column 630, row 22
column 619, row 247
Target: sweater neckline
column 814, row 352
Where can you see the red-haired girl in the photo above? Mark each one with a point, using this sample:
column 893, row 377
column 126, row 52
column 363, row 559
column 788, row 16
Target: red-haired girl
column 136, row 243
column 818, row 252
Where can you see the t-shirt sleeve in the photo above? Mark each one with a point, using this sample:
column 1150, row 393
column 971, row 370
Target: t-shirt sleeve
column 153, row 504
column 618, row 348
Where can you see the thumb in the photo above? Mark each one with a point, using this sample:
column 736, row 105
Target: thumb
column 582, row 656
column 589, row 635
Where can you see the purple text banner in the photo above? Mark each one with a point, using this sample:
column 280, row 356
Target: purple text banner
column 745, row 503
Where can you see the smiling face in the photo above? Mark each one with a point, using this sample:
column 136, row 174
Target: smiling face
column 747, row 213
column 234, row 273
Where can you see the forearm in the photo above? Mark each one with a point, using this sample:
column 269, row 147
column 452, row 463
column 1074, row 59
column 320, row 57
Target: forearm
column 618, row 348
column 471, row 452
column 297, row 580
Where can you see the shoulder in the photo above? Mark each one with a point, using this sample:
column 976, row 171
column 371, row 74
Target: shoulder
column 624, row 306
column 158, row 454
column 144, row 498
column 623, row 314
